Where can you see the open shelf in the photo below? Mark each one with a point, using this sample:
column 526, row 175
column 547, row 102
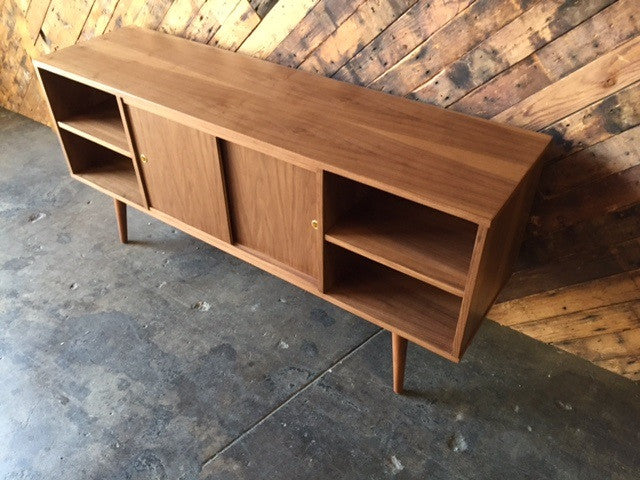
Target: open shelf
column 101, row 167
column 117, row 176
column 101, row 124
column 416, row 240
column 85, row 111
column 425, row 314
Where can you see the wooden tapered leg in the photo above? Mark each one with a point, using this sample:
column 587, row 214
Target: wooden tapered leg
column 121, row 217
column 399, row 353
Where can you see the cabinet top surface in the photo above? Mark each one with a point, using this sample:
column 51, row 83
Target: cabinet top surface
column 464, row 166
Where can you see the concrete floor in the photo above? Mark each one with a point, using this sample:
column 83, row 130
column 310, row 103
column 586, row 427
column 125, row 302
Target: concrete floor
column 167, row 359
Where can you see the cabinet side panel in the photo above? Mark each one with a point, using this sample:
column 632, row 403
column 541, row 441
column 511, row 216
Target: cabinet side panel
column 272, row 204
column 181, row 172
column 55, row 94
column 494, row 253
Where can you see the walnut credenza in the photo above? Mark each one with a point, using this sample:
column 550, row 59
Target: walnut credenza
column 404, row 214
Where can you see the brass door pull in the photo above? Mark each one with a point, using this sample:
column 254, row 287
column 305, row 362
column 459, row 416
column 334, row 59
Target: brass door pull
column 143, row 158
column 314, row 224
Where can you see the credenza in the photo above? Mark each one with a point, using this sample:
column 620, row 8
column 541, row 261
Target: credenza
column 404, row 214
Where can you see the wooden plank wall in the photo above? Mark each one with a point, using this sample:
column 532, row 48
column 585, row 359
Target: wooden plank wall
column 570, row 68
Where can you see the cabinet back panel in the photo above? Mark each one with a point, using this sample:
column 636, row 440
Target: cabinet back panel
column 68, row 97
column 182, row 174
column 272, row 204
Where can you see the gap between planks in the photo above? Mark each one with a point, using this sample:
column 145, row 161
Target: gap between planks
column 306, row 386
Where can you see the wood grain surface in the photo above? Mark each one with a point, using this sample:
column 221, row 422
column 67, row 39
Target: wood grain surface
column 102, row 125
column 420, row 242
column 181, row 171
column 272, row 204
column 378, row 293
column 277, row 198
column 517, row 51
column 376, row 139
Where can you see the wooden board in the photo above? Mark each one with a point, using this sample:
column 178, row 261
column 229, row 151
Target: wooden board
column 103, row 168
column 312, row 30
column 599, row 293
column 493, row 256
column 609, row 73
column 507, row 46
column 181, row 171
column 432, row 247
column 362, row 26
column 103, row 126
column 280, row 20
column 429, row 315
column 116, row 176
column 415, row 25
column 424, row 61
column 585, row 323
column 272, row 204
